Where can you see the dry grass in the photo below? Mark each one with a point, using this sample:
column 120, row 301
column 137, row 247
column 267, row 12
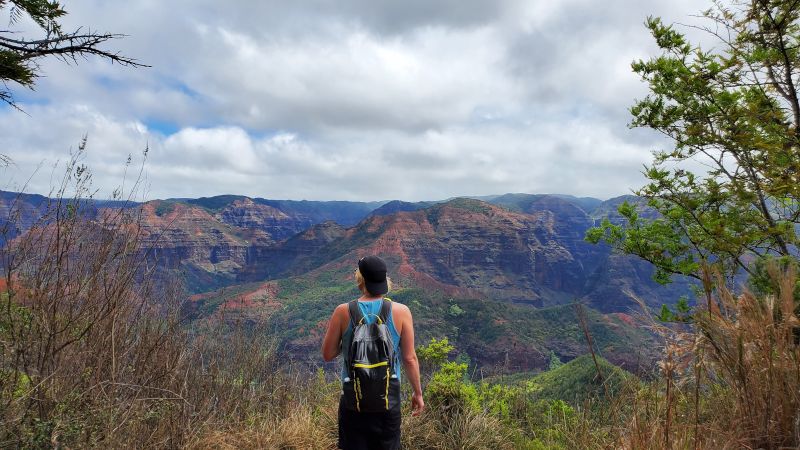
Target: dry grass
column 749, row 345
column 302, row 428
column 86, row 357
column 465, row 430
column 94, row 352
column 730, row 381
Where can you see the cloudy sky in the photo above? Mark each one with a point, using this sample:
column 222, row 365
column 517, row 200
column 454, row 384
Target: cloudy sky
column 347, row 99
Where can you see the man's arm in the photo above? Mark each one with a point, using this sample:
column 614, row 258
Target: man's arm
column 410, row 362
column 332, row 343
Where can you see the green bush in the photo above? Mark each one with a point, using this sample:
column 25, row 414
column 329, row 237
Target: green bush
column 497, row 398
column 449, row 389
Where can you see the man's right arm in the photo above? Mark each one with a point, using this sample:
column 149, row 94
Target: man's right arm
column 331, row 343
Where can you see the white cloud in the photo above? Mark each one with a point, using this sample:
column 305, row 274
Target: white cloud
column 363, row 101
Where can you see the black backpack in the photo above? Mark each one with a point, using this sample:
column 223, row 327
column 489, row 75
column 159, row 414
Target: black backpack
column 371, row 384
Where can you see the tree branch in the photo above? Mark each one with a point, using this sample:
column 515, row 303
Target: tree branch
column 69, row 45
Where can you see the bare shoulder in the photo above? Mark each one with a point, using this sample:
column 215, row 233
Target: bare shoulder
column 340, row 317
column 341, row 311
column 402, row 318
column 401, row 310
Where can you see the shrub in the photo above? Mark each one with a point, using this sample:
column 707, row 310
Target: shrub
column 450, row 391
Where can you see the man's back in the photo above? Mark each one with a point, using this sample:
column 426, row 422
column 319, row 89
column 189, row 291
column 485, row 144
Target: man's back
column 379, row 430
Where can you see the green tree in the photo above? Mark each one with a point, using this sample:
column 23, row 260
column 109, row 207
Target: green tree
column 20, row 56
column 555, row 361
column 730, row 186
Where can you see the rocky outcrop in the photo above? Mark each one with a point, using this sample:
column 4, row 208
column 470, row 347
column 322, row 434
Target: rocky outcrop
column 475, row 245
column 247, row 214
column 219, row 241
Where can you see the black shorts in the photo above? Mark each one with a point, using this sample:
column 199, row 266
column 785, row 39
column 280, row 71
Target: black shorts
column 369, row 431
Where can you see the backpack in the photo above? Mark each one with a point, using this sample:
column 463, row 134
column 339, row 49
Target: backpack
column 371, row 384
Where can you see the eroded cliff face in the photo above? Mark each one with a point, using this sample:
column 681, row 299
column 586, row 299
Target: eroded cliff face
column 474, row 245
column 478, row 246
column 182, row 235
column 561, row 227
column 538, row 257
column 461, row 245
column 235, row 244
column 247, row 214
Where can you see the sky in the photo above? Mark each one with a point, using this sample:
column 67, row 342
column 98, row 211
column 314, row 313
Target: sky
column 345, row 100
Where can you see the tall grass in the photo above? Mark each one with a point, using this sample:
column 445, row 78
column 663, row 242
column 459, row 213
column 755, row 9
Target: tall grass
column 749, row 346
column 731, row 380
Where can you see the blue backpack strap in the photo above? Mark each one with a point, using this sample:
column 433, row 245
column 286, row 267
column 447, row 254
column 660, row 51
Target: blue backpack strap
column 386, row 308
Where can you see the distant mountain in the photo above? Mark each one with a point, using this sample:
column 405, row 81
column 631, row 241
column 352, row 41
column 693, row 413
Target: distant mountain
column 341, row 212
column 396, row 206
column 498, row 277
column 520, row 248
column 210, row 241
column 526, row 202
column 608, row 208
column 247, row 214
column 238, row 240
column 18, row 212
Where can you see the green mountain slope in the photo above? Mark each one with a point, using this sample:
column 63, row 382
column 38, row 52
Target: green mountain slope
column 578, row 380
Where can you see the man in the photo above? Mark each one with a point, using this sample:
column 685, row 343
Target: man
column 373, row 430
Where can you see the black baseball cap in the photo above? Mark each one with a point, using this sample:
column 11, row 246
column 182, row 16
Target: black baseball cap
column 373, row 269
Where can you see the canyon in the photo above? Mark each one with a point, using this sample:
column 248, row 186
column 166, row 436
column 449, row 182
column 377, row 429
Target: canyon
column 499, row 275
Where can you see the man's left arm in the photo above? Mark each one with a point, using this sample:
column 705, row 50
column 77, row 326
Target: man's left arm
column 410, row 362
